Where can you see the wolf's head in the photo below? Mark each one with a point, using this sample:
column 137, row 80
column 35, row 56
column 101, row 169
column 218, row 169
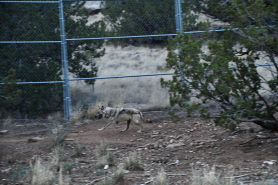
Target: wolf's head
column 100, row 112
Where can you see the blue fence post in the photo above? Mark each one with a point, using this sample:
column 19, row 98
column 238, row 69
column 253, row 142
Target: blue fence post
column 66, row 87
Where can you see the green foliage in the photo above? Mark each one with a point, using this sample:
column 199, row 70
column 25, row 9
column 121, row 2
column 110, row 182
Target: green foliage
column 20, row 172
column 99, row 172
column 132, row 18
column 42, row 62
column 228, row 73
column 68, row 166
column 118, row 177
column 79, row 148
column 9, row 93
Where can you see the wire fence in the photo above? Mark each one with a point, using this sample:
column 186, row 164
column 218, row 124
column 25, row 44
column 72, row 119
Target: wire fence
column 69, row 55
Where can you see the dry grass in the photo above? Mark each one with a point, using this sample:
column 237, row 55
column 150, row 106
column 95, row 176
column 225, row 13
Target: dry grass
column 63, row 180
column 41, row 174
column 79, row 148
column 55, row 116
column 209, row 176
column 160, row 179
column 118, row 176
column 103, row 155
column 133, row 163
column 46, row 173
column 6, row 122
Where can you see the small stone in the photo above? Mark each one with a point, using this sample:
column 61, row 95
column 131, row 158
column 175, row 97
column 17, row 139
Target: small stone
column 194, row 144
column 69, row 139
column 174, row 145
column 4, row 131
column 271, row 162
column 106, row 167
column 34, row 139
column 178, row 137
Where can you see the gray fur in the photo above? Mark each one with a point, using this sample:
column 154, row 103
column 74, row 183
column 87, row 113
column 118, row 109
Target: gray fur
column 116, row 115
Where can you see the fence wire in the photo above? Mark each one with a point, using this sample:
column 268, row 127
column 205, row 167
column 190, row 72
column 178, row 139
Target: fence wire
column 105, row 46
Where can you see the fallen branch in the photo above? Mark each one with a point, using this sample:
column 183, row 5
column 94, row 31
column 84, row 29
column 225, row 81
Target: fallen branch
column 259, row 137
column 175, row 174
column 96, row 180
column 239, row 176
column 248, row 141
column 148, row 182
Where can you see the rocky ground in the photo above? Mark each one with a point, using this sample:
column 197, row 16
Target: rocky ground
column 247, row 155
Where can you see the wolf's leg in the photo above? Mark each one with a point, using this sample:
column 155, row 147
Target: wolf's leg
column 127, row 125
column 108, row 124
column 140, row 125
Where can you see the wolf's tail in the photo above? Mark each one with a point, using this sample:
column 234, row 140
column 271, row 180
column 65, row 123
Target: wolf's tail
column 144, row 119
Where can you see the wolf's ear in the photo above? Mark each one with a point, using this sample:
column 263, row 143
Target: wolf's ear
column 102, row 108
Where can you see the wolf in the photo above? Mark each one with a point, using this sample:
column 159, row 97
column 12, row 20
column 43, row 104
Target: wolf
column 116, row 115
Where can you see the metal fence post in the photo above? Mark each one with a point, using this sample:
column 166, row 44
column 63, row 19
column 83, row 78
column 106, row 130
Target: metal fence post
column 178, row 12
column 66, row 87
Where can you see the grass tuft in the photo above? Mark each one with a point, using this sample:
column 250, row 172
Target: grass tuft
column 118, row 176
column 41, row 174
column 132, row 162
column 103, row 155
column 79, row 148
column 160, row 179
column 209, row 176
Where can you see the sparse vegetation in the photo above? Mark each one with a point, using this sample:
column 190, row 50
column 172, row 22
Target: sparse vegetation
column 132, row 162
column 20, row 173
column 104, row 182
column 160, row 179
column 118, row 176
column 68, row 166
column 209, row 176
column 79, row 148
column 59, row 133
column 41, row 174
column 103, row 155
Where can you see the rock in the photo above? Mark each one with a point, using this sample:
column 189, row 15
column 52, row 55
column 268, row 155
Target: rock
column 34, row 139
column 135, row 57
column 272, row 140
column 175, row 145
column 106, row 167
column 125, row 171
column 198, row 162
column 147, row 174
column 178, row 137
column 69, row 139
column 155, row 132
column 93, row 5
column 261, row 136
column 4, row 131
column 271, row 162
column 6, row 170
column 194, row 144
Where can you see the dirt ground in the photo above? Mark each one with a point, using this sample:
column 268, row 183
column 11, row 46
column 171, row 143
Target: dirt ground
column 248, row 155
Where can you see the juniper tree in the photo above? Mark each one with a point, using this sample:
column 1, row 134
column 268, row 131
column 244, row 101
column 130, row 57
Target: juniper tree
column 42, row 62
column 144, row 17
column 232, row 72
column 9, row 93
